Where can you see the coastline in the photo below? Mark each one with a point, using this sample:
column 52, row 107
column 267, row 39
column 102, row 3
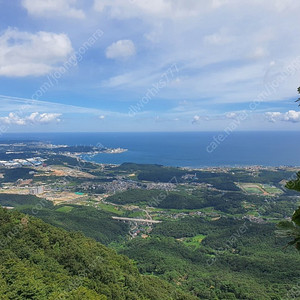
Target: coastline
column 241, row 150
column 201, row 168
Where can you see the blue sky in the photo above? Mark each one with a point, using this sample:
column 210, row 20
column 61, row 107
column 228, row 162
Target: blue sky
column 149, row 65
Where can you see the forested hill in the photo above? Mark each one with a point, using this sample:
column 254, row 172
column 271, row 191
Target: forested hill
column 39, row 261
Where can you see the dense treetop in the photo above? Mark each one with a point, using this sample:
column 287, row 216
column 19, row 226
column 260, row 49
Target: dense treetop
column 39, row 261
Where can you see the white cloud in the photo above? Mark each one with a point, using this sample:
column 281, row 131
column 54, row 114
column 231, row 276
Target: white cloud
column 118, row 80
column 102, row 117
column 259, row 52
column 158, row 8
column 231, row 115
column 25, row 106
column 155, row 35
column 210, row 44
column 34, row 118
column 120, row 49
column 196, row 119
column 53, row 8
column 24, row 54
column 218, row 39
column 290, row 116
column 273, row 116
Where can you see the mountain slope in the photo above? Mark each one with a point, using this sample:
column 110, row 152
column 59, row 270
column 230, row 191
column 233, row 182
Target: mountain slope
column 39, row 261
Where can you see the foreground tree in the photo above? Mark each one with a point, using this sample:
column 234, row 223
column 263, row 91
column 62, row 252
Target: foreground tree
column 291, row 228
column 298, row 93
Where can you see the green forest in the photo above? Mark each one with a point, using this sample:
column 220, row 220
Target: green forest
column 214, row 241
column 149, row 150
column 39, row 261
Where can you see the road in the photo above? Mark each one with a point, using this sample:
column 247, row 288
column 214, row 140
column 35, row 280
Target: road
column 136, row 220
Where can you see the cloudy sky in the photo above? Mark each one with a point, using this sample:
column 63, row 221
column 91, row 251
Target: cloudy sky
column 149, row 65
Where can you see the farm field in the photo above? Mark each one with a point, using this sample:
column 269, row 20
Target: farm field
column 259, row 189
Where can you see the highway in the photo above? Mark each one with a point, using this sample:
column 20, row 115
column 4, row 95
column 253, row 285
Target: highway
column 136, row 220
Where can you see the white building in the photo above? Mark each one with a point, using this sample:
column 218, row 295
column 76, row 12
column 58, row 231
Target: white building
column 36, row 190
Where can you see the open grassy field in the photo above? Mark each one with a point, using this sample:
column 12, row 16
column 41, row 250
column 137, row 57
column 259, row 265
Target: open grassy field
column 65, row 209
column 259, row 189
column 194, row 241
column 272, row 189
column 110, row 208
column 253, row 190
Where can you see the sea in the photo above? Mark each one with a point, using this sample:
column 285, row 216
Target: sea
column 184, row 149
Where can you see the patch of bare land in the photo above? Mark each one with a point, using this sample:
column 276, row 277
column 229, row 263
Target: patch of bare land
column 62, row 197
column 15, row 191
column 61, row 171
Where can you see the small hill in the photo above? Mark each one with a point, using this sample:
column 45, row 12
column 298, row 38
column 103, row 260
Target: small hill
column 39, row 261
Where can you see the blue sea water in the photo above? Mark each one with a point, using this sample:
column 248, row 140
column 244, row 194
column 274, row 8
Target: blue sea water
column 191, row 149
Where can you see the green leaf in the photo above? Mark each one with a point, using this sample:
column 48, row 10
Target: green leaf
column 286, row 225
column 296, row 217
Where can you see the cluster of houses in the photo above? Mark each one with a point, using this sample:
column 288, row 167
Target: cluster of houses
column 124, row 185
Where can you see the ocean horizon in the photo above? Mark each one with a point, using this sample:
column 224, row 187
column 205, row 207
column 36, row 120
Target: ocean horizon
column 184, row 149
